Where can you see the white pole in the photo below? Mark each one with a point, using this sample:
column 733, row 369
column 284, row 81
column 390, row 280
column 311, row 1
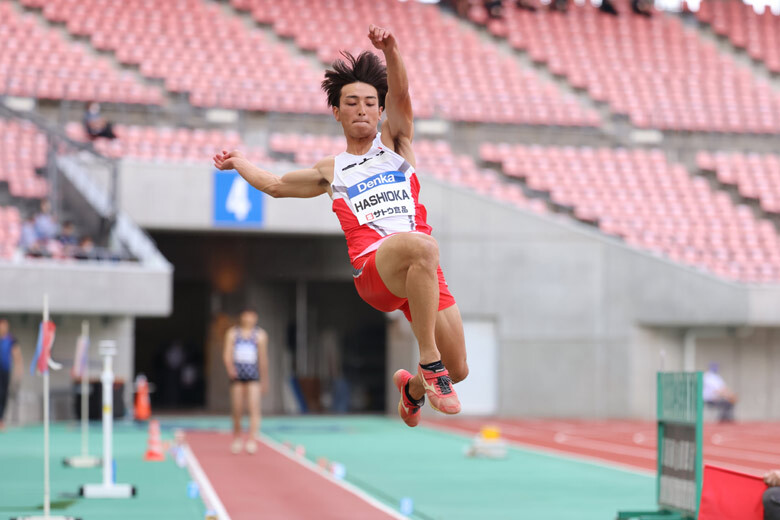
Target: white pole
column 46, row 490
column 107, row 378
column 108, row 488
column 84, row 395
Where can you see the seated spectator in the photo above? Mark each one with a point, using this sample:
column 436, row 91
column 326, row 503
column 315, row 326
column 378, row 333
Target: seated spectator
column 95, row 125
column 30, row 241
column 29, row 237
column 39, row 249
column 45, row 223
column 68, row 239
column 717, row 394
column 642, row 7
column 560, row 6
column 86, row 250
column 608, row 7
column 772, row 495
column 494, row 8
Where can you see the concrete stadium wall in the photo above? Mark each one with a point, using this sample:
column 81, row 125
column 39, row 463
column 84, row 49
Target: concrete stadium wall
column 97, row 288
column 181, row 197
column 28, row 407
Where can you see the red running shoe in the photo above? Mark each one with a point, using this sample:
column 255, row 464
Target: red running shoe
column 408, row 410
column 438, row 388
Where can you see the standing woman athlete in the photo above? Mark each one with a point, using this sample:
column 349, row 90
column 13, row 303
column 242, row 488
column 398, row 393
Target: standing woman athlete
column 246, row 361
column 375, row 197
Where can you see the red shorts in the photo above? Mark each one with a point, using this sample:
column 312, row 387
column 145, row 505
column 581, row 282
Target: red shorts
column 372, row 289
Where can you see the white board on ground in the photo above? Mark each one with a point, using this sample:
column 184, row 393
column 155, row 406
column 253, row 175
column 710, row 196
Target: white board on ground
column 479, row 392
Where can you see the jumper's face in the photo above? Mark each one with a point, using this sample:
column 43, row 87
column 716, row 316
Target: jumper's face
column 358, row 110
column 3, row 327
column 248, row 319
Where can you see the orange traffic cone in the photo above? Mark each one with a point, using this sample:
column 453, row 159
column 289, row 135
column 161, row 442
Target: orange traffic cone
column 154, row 448
column 143, row 407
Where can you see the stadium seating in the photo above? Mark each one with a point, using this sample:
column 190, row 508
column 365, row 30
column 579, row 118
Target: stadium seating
column 36, row 62
column 166, row 144
column 10, row 230
column 757, row 34
column 452, row 73
column 651, row 203
column 22, row 150
column 435, row 158
column 756, row 176
column 654, row 70
column 196, row 48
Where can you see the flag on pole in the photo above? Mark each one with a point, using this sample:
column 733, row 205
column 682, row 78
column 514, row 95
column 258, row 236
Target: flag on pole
column 81, row 357
column 42, row 359
column 731, row 495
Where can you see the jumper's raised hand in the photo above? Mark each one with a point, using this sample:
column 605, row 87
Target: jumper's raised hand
column 226, row 160
column 381, row 38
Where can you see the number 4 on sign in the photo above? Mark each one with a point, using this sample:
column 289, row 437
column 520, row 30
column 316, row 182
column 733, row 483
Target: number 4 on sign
column 237, row 201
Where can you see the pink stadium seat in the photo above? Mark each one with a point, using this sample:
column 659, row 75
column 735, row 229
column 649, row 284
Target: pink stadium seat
column 757, row 34
column 189, row 44
column 755, row 176
column 44, row 65
column 165, row 144
column 22, row 151
column 662, row 76
column 10, row 230
column 650, row 203
column 467, row 71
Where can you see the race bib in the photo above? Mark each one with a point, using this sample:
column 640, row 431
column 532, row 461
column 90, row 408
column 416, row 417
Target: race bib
column 380, row 196
column 245, row 353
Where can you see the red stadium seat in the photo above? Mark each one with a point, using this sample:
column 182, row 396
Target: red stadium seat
column 168, row 144
column 182, row 43
column 479, row 71
column 661, row 76
column 651, row 204
column 63, row 70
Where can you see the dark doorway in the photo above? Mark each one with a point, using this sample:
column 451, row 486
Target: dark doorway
column 170, row 350
column 341, row 360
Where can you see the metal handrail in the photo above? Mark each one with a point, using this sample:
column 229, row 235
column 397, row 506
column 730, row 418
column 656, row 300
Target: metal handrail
column 57, row 136
column 53, row 131
column 106, row 205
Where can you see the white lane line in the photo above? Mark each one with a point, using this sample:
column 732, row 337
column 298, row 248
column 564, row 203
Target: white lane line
column 550, row 451
column 306, row 463
column 207, row 491
column 603, row 446
column 743, row 455
column 739, row 445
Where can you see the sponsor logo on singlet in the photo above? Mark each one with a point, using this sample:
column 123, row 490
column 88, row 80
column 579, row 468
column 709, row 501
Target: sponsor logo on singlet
column 382, row 195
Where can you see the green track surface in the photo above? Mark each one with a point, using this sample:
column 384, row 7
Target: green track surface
column 382, row 456
column 161, row 486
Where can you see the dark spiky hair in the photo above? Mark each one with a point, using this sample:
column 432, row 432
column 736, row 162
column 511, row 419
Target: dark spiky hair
column 366, row 68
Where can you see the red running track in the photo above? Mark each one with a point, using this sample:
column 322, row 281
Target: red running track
column 271, row 485
column 752, row 448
